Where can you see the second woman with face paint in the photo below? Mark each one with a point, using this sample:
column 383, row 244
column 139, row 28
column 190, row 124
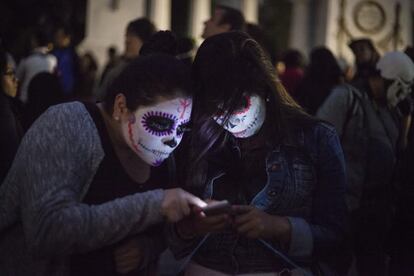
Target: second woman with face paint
column 282, row 170
column 88, row 184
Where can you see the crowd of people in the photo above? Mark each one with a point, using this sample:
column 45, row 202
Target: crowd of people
column 312, row 167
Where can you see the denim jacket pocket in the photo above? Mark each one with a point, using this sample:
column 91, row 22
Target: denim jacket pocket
column 271, row 196
column 304, row 182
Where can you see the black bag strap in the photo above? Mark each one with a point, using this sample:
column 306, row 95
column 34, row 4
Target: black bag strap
column 350, row 111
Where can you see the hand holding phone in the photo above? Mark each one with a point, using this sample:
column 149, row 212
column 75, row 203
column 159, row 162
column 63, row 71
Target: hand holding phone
column 217, row 208
column 209, row 219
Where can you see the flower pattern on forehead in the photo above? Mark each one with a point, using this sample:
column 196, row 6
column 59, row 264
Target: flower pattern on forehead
column 154, row 128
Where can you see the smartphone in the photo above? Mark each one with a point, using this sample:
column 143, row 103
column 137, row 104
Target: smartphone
column 217, row 208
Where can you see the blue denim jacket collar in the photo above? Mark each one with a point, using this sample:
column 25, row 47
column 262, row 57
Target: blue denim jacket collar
column 295, row 140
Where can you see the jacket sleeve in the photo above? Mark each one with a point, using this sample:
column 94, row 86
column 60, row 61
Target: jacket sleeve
column 325, row 229
column 54, row 165
column 328, row 222
column 330, row 214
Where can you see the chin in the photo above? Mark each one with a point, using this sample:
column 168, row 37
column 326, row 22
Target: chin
column 157, row 163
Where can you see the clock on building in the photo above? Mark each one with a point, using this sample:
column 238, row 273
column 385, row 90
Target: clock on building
column 369, row 16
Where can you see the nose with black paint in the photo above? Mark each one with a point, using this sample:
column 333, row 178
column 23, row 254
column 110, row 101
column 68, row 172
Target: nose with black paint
column 171, row 143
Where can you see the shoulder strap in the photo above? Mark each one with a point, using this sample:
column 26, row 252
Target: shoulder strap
column 351, row 110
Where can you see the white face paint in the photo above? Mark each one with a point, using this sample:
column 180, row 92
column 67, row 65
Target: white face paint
column 153, row 132
column 248, row 120
column 398, row 91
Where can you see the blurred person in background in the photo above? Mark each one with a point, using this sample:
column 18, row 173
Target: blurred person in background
column 366, row 57
column 137, row 32
column 401, row 240
column 224, row 19
column 257, row 33
column 39, row 60
column 68, row 60
column 44, row 91
column 185, row 50
column 364, row 115
column 321, row 75
column 10, row 126
column 88, row 68
column 113, row 59
column 293, row 72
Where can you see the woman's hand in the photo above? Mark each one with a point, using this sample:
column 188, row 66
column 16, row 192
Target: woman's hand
column 257, row 224
column 177, row 204
column 199, row 224
column 128, row 256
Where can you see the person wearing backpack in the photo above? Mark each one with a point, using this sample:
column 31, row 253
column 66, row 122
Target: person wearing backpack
column 364, row 114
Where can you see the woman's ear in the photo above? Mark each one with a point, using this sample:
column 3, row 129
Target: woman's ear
column 120, row 109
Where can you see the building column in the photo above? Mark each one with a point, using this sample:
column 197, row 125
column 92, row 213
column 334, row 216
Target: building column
column 250, row 10
column 200, row 11
column 299, row 25
column 160, row 14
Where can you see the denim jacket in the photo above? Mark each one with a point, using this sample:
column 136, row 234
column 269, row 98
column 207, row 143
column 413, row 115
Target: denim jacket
column 305, row 183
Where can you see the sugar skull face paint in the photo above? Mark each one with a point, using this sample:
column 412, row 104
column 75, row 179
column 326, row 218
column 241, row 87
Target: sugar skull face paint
column 153, row 132
column 397, row 91
column 246, row 121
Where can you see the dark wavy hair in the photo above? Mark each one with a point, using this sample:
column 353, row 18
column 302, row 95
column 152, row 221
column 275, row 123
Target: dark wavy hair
column 227, row 67
column 146, row 79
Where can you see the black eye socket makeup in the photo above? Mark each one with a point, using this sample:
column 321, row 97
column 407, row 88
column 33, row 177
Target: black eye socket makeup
column 245, row 104
column 159, row 123
column 184, row 127
column 388, row 83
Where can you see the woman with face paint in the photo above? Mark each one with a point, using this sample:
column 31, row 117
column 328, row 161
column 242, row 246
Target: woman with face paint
column 89, row 185
column 282, row 171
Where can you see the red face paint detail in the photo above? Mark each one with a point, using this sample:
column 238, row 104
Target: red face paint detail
column 184, row 104
column 131, row 119
column 244, row 109
column 131, row 135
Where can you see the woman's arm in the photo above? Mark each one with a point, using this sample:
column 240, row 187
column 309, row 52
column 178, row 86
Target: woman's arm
column 55, row 163
column 329, row 212
column 326, row 227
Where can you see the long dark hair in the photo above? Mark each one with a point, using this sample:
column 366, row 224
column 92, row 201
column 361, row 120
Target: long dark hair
column 146, row 79
column 226, row 68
